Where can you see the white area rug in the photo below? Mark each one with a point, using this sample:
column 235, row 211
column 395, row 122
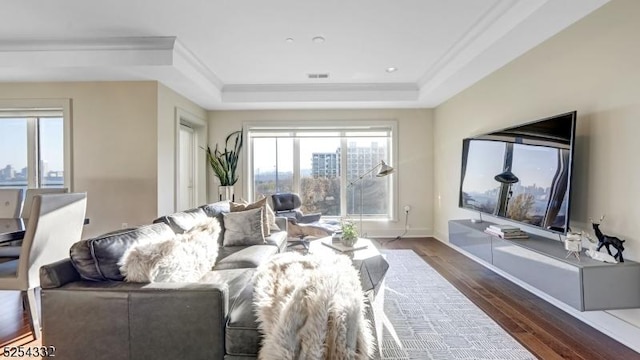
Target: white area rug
column 431, row 319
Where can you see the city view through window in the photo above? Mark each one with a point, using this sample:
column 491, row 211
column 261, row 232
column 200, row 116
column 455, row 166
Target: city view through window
column 16, row 168
column 320, row 172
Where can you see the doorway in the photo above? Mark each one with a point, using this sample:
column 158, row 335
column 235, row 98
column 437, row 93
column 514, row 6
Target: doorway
column 186, row 173
column 190, row 161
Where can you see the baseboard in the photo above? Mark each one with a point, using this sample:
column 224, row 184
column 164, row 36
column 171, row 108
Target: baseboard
column 608, row 324
column 392, row 233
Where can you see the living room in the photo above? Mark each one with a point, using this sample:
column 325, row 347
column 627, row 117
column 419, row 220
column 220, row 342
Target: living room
column 124, row 138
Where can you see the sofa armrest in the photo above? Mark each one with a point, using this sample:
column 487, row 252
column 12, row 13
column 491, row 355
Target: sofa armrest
column 57, row 274
column 118, row 320
column 282, row 223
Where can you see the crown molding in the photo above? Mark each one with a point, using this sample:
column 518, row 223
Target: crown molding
column 161, row 58
column 501, row 18
column 319, row 92
column 88, row 44
column 51, row 53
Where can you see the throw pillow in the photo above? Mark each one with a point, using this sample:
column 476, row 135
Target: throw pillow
column 262, row 203
column 271, row 215
column 243, row 228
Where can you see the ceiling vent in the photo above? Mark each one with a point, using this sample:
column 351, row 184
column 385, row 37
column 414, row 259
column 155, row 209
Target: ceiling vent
column 318, row 76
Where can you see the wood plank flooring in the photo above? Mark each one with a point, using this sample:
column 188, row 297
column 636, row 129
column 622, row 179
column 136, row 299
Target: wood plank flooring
column 546, row 331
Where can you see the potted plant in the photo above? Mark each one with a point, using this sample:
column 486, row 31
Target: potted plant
column 225, row 164
column 349, row 233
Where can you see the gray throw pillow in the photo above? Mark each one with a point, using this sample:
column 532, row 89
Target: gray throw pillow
column 243, row 228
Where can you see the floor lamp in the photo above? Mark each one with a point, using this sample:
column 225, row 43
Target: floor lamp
column 383, row 171
column 509, row 178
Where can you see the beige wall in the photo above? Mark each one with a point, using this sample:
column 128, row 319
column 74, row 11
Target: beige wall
column 591, row 67
column 114, row 152
column 414, row 172
column 168, row 102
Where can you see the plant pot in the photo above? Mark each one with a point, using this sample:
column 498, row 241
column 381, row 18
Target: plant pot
column 226, row 193
column 349, row 241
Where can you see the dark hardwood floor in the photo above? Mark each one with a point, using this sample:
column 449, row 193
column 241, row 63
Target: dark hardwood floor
column 545, row 330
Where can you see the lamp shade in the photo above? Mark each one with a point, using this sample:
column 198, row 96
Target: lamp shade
column 384, row 169
column 506, row 177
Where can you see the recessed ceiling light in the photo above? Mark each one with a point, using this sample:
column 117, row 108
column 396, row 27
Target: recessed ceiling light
column 318, row 39
column 289, row 40
column 391, row 69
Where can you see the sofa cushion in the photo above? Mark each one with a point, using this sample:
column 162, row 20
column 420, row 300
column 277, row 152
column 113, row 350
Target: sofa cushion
column 241, row 331
column 97, row 259
column 216, row 210
column 240, row 257
column 243, row 228
column 183, row 221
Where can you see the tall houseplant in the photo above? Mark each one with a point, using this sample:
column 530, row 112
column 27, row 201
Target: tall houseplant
column 225, row 163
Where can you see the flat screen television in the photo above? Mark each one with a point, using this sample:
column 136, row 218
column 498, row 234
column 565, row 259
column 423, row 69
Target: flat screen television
column 522, row 173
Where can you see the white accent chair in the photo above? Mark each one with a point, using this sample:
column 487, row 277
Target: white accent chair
column 28, row 198
column 10, row 203
column 56, row 223
column 13, row 250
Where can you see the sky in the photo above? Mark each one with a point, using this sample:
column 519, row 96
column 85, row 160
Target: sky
column 264, row 151
column 531, row 164
column 13, row 143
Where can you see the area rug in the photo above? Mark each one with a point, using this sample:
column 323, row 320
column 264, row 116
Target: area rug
column 428, row 318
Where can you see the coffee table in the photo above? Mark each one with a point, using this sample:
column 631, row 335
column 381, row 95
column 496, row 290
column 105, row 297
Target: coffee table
column 372, row 267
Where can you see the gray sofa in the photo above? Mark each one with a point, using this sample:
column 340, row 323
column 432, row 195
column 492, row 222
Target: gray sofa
column 90, row 312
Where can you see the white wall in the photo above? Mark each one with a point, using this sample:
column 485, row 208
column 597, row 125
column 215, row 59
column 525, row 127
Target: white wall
column 591, row 67
column 168, row 102
column 414, row 172
column 114, row 146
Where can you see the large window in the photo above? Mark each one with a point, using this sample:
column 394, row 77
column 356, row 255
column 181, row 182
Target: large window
column 32, row 150
column 324, row 163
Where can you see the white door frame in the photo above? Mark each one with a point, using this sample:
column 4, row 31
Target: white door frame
column 199, row 127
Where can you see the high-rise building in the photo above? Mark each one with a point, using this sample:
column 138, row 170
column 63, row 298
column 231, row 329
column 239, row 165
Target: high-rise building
column 325, row 165
column 7, row 173
column 361, row 159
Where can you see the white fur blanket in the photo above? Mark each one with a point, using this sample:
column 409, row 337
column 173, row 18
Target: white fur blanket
column 182, row 258
column 311, row 308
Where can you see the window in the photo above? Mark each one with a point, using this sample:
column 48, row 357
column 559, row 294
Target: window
column 32, row 149
column 323, row 163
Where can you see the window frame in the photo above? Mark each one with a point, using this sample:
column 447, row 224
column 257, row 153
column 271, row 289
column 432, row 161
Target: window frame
column 326, row 126
column 41, row 108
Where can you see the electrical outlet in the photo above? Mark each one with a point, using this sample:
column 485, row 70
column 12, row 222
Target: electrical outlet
column 125, row 225
column 407, row 208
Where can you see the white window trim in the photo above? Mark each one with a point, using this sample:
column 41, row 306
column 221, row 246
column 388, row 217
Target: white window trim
column 39, row 105
column 247, row 170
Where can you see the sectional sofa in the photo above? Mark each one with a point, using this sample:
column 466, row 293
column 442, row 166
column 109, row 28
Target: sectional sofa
column 89, row 311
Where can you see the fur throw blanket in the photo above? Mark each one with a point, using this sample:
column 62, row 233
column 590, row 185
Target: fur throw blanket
column 183, row 258
column 311, row 308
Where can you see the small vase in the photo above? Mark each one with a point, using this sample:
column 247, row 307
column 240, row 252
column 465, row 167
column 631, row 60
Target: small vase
column 349, row 241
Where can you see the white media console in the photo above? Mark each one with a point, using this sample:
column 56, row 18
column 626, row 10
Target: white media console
column 542, row 263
